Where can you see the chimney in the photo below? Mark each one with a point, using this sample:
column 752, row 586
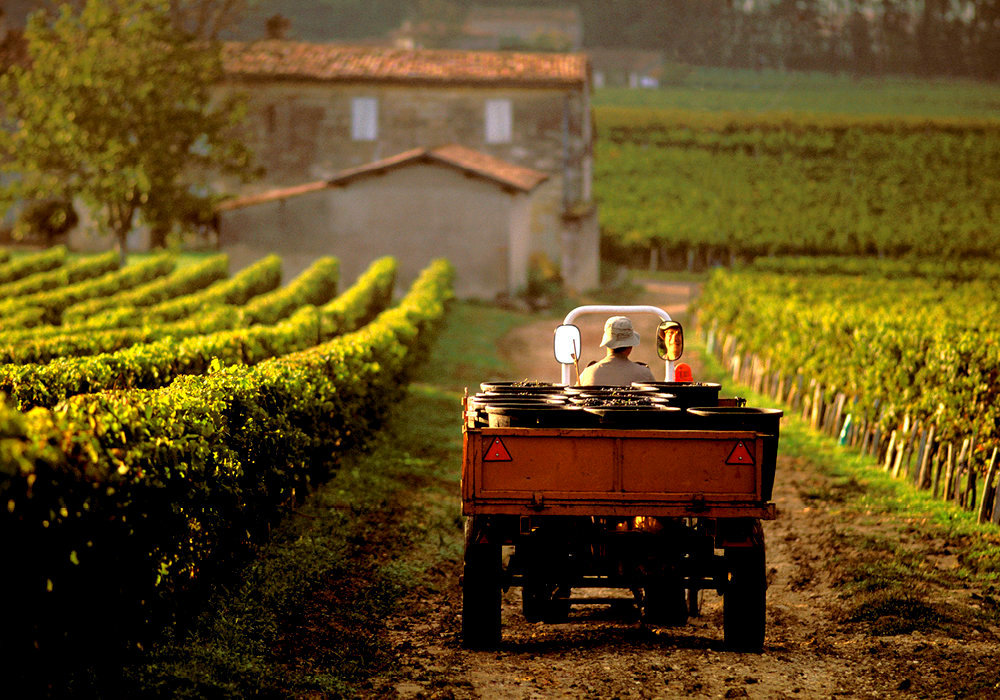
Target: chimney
column 277, row 27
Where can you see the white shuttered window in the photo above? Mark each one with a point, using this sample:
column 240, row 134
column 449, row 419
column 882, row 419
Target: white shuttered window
column 364, row 119
column 498, row 121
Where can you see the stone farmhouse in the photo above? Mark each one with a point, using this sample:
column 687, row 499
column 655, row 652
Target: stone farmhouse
column 422, row 204
column 373, row 120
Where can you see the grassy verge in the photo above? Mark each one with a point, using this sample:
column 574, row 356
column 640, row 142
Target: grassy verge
column 902, row 560
column 306, row 617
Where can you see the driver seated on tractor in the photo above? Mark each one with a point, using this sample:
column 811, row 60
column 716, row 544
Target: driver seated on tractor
column 616, row 369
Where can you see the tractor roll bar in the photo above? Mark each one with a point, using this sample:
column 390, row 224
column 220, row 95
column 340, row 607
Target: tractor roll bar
column 616, row 310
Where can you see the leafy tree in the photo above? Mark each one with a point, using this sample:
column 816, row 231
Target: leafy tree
column 46, row 220
column 114, row 109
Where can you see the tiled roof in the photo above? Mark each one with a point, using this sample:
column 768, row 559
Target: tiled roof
column 478, row 163
column 271, row 196
column 465, row 159
column 332, row 62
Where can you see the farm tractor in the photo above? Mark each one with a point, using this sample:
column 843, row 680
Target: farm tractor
column 658, row 488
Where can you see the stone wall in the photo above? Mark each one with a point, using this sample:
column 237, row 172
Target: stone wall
column 301, row 130
column 415, row 213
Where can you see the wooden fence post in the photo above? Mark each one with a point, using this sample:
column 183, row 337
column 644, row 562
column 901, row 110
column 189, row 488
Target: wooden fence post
column 918, row 432
column 969, row 494
column 792, row 395
column 946, row 492
column 925, row 459
column 995, row 515
column 985, row 503
column 889, row 452
column 938, row 466
column 961, row 464
column 817, row 404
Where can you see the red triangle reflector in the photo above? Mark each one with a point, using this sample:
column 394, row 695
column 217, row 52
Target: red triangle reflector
column 740, row 455
column 497, row 452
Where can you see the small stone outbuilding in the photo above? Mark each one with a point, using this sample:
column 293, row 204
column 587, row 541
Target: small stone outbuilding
column 421, row 204
column 315, row 110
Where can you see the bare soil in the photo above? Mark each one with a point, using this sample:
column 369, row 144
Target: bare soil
column 820, row 642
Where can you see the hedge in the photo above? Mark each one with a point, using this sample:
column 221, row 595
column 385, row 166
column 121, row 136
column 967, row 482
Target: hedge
column 18, row 268
column 361, row 302
column 60, row 297
column 122, row 504
column 85, row 268
column 958, row 270
column 317, row 285
column 30, row 317
column 259, row 278
column 152, row 365
column 45, row 348
column 185, row 280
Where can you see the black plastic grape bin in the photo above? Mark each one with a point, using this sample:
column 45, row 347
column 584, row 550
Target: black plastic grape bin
column 766, row 421
column 686, row 393
column 539, row 416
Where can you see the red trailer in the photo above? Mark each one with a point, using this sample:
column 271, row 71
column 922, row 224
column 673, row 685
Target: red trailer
column 658, row 489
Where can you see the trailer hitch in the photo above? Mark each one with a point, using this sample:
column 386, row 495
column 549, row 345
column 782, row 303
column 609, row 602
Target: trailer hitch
column 537, row 500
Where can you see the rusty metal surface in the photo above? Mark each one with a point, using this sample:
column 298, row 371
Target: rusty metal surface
column 586, row 471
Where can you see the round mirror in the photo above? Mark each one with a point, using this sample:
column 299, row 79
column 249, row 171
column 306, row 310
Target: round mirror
column 567, row 344
column 669, row 340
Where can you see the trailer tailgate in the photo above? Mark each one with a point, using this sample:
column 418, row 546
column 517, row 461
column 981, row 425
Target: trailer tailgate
column 613, row 472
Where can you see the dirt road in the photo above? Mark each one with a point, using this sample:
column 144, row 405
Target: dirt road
column 824, row 638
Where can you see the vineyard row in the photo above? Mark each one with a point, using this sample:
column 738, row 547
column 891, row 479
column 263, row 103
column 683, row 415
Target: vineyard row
column 155, row 364
column 906, row 369
column 720, row 188
column 316, row 285
column 163, row 487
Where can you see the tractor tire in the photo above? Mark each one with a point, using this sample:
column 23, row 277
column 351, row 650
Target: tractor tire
column 481, row 592
column 744, row 599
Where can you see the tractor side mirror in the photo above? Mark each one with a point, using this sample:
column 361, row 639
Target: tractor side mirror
column 567, row 344
column 669, row 340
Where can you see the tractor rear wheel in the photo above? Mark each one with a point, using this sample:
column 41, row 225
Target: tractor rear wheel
column 481, row 593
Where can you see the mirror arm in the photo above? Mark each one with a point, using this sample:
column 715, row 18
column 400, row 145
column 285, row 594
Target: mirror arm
column 576, row 362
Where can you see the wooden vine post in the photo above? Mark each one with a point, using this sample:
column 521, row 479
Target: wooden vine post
column 985, row 503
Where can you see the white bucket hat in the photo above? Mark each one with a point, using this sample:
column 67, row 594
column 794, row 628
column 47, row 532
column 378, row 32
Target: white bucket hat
column 618, row 333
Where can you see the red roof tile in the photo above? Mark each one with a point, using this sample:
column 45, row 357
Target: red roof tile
column 332, row 62
column 478, row 163
column 465, row 159
column 271, row 196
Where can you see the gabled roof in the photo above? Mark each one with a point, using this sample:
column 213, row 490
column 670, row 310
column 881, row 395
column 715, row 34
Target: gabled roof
column 333, row 62
column 274, row 195
column 470, row 162
column 465, row 159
